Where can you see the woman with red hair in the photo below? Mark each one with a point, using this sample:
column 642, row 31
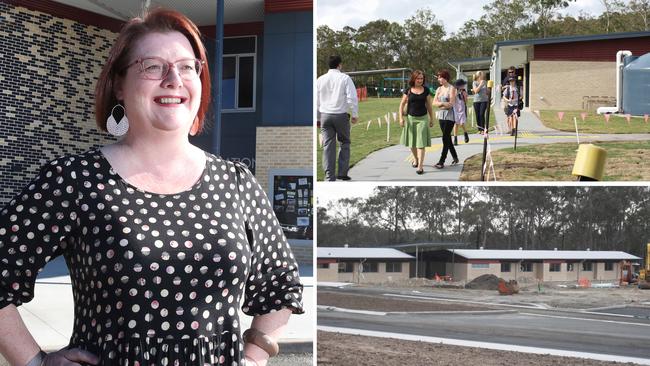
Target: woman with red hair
column 416, row 102
column 162, row 239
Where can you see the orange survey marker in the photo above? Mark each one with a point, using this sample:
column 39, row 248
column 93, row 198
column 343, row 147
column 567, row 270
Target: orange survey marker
column 583, row 282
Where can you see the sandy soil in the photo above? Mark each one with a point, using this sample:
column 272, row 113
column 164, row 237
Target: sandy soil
column 382, row 303
column 552, row 296
column 342, row 349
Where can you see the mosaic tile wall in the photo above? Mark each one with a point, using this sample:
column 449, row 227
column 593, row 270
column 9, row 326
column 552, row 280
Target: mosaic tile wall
column 48, row 69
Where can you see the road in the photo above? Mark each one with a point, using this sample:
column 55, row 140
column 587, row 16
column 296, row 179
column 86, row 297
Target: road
column 528, row 327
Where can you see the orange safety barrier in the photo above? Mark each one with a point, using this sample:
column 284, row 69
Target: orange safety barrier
column 583, row 282
column 362, row 93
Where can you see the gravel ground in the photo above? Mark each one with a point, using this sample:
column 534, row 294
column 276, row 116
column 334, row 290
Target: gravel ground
column 291, row 359
column 342, row 349
column 383, row 303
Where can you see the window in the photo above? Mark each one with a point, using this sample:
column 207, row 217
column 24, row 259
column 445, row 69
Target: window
column 480, row 265
column 555, row 267
column 526, row 267
column 323, row 265
column 238, row 75
column 609, row 266
column 587, row 266
column 505, row 267
column 345, row 267
column 570, row 267
column 370, row 267
column 394, row 267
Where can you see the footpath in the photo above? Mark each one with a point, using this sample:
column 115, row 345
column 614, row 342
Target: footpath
column 393, row 164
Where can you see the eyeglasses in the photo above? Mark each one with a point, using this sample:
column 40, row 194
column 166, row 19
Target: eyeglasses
column 511, row 72
column 156, row 68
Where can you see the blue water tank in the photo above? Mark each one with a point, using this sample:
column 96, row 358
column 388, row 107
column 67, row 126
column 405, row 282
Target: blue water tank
column 636, row 85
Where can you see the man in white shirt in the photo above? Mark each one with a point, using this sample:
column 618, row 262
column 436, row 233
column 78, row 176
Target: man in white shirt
column 336, row 99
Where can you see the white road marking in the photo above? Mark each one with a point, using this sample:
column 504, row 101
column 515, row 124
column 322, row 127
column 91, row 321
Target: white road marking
column 531, row 306
column 587, row 319
column 354, row 311
column 488, row 345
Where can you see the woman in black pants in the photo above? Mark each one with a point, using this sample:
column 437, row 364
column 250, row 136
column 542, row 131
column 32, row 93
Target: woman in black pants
column 444, row 100
column 479, row 88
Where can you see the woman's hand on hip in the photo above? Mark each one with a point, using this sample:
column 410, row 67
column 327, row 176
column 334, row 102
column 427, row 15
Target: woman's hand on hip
column 70, row 357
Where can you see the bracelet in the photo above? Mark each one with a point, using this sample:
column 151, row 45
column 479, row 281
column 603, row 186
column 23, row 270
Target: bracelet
column 261, row 340
column 37, row 360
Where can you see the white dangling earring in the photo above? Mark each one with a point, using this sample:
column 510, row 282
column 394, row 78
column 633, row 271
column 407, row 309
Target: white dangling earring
column 115, row 128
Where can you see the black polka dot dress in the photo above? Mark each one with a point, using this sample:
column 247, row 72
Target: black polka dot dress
column 157, row 279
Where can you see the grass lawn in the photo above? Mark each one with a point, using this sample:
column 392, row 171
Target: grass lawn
column 594, row 123
column 365, row 141
column 626, row 161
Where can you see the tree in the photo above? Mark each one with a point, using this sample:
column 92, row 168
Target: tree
column 544, row 10
column 642, row 9
column 424, row 38
column 390, row 208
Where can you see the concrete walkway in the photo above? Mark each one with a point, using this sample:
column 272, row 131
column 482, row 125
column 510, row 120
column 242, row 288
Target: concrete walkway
column 393, row 163
column 49, row 316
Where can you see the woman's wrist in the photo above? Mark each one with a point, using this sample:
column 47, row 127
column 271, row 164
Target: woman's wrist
column 37, row 360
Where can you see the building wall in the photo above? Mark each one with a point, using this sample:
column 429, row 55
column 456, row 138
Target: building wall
column 563, row 84
column 600, row 50
column 368, row 277
column 48, row 71
column 329, row 274
column 282, row 148
column 288, row 59
column 541, row 271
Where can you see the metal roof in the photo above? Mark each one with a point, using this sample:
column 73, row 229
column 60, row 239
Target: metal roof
column 361, row 253
column 471, row 61
column 543, row 254
column 592, row 37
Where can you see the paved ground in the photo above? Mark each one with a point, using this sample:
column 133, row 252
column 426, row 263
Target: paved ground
column 392, row 163
column 529, row 320
column 299, row 359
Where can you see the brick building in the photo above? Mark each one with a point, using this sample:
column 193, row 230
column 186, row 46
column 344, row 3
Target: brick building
column 566, row 73
column 528, row 265
column 52, row 53
column 362, row 265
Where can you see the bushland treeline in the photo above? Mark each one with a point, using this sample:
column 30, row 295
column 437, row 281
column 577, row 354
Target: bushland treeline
column 421, row 41
column 566, row 218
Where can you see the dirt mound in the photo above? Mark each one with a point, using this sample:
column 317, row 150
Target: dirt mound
column 484, row 282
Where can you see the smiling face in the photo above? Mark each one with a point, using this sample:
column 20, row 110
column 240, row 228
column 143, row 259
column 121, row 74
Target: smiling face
column 170, row 104
column 419, row 80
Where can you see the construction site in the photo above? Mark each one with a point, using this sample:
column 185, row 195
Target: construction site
column 488, row 321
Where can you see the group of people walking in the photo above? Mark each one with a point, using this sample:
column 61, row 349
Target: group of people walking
column 337, row 109
column 416, row 109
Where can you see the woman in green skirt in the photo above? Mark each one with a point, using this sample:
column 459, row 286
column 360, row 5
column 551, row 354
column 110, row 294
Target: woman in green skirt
column 415, row 133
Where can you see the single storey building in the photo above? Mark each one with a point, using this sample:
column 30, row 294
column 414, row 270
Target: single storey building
column 529, row 265
column 362, row 265
column 561, row 73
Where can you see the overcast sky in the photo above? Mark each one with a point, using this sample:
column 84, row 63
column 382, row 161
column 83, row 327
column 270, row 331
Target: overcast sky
column 338, row 13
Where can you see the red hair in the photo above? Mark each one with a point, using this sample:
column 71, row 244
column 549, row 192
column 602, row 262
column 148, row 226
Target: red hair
column 414, row 75
column 444, row 73
column 158, row 20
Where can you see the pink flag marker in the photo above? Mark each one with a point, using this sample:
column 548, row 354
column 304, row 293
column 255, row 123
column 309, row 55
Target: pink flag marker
column 583, row 115
column 560, row 115
column 645, row 118
column 627, row 118
column 606, row 115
